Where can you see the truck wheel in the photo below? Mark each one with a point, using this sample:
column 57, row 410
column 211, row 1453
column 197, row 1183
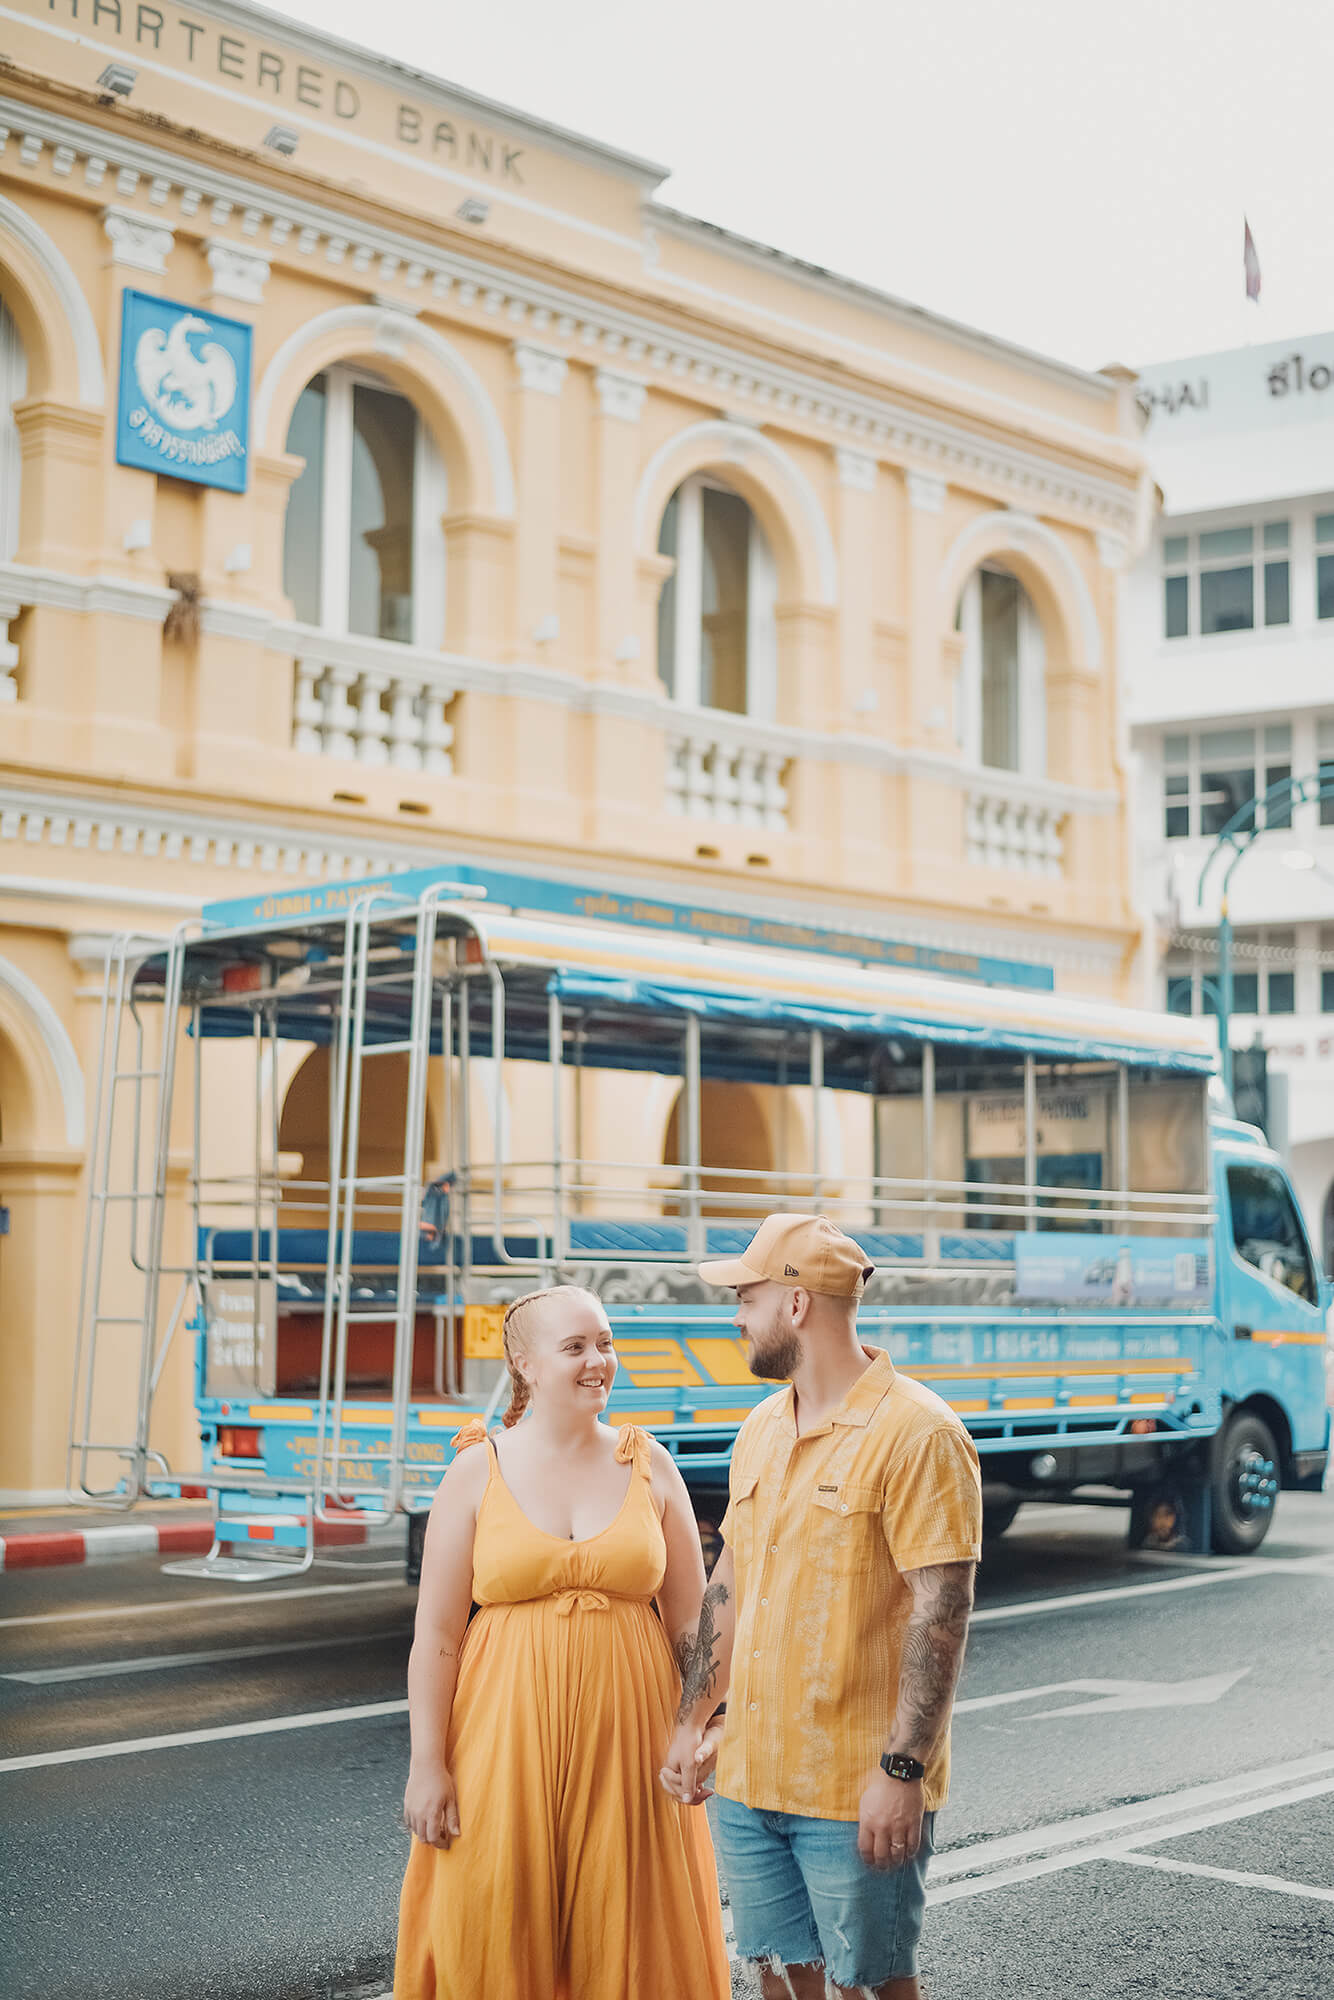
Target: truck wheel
column 998, row 1517
column 1245, row 1486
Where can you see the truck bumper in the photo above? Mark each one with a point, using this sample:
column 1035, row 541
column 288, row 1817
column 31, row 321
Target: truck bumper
column 1308, row 1470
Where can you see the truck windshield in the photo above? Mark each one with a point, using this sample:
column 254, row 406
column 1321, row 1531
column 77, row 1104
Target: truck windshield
column 1266, row 1230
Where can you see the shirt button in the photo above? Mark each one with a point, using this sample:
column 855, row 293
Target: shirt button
column 756, row 1654
column 773, row 1548
column 764, row 1600
column 844, row 1508
column 755, row 1704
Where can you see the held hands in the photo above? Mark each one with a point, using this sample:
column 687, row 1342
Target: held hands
column 691, row 1756
column 431, row 1807
column 889, row 1822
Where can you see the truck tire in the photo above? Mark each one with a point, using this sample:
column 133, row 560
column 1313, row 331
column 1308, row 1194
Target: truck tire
column 1245, row 1485
column 997, row 1517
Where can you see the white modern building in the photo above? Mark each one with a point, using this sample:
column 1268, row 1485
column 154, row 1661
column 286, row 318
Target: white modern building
column 1229, row 662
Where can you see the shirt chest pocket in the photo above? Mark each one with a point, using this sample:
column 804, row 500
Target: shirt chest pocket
column 844, row 1529
column 742, row 1506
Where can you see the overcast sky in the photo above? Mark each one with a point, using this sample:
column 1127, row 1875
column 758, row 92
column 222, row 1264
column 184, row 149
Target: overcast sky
column 1066, row 174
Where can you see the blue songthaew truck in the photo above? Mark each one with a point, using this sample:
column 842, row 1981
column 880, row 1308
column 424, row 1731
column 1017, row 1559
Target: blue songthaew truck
column 341, row 1126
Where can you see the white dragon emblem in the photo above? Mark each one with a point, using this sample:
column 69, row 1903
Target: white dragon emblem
column 189, row 391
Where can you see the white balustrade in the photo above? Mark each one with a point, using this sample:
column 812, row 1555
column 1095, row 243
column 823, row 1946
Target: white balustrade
column 712, row 774
column 372, row 713
column 9, row 653
column 1006, row 830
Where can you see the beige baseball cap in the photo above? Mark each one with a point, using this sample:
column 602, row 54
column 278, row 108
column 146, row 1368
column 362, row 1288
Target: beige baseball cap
column 796, row 1250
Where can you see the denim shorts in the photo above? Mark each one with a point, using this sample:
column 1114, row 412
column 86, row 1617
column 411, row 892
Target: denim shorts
column 802, row 1894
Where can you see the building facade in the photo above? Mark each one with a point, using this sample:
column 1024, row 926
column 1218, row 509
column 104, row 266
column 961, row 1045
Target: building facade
column 387, row 475
column 1229, row 635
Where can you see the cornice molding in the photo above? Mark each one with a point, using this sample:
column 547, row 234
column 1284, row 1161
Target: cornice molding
column 308, row 235
column 97, row 826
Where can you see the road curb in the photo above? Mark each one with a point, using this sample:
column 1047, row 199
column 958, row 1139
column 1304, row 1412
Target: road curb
column 141, row 1538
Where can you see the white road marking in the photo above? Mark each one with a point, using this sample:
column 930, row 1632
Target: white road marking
column 1277, row 1883
column 218, row 1598
column 96, row 1670
column 1084, row 1839
column 1250, row 1572
column 183, row 1738
column 1112, row 1695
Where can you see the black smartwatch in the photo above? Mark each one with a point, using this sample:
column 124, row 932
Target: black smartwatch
column 899, row 1766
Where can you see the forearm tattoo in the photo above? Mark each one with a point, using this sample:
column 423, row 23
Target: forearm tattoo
column 932, row 1654
column 699, row 1666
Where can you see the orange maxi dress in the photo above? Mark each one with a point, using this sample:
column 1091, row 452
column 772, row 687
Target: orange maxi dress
column 576, row 1877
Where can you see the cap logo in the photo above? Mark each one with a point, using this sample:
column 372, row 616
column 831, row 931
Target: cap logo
column 791, row 1271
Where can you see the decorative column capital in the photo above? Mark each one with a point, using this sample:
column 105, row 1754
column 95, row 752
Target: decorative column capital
column 620, row 395
column 539, row 368
column 926, row 491
column 856, row 469
column 137, row 243
column 237, row 273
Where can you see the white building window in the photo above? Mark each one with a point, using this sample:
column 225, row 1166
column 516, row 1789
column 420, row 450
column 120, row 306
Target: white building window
column 13, row 384
column 1209, row 776
column 1264, row 976
column 1324, row 746
column 1226, row 580
column 716, row 625
column 363, row 547
column 1002, row 716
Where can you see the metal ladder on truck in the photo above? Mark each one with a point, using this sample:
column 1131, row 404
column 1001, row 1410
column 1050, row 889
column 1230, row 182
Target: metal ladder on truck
column 120, row 1311
column 282, row 1537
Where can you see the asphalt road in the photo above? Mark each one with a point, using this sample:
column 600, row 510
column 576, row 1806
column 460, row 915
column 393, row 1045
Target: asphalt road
column 1170, row 1836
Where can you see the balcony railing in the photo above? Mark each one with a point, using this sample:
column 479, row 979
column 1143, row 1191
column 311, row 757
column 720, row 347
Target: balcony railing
column 715, row 772
column 1004, row 830
column 10, row 607
column 386, row 711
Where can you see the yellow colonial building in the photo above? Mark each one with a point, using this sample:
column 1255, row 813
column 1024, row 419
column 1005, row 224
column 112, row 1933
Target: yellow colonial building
column 387, row 475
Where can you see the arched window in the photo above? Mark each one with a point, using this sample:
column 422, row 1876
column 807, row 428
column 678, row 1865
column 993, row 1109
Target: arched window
column 1002, row 718
column 363, row 546
column 13, row 383
column 716, row 612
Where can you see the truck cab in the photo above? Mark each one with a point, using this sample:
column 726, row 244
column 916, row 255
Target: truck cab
column 1273, row 1306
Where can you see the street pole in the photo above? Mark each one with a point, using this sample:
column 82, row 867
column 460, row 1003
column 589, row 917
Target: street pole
column 1225, row 994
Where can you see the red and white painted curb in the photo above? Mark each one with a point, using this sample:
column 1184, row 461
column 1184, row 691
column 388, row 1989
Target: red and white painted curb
column 143, row 1538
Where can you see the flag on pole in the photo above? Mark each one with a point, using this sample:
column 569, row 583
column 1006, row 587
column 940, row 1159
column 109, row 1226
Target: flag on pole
column 1252, row 262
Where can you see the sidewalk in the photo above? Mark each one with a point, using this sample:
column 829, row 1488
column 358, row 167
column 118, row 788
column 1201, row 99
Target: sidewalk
column 35, row 1538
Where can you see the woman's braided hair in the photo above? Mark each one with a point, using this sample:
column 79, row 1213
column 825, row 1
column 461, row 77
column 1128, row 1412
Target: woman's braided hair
column 513, row 1338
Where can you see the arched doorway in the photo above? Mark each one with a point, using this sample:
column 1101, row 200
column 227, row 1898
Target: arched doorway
column 735, row 1143
column 303, row 1131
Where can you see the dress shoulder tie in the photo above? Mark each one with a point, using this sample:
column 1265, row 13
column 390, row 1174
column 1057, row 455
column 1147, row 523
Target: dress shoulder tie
column 473, row 1432
column 634, row 1445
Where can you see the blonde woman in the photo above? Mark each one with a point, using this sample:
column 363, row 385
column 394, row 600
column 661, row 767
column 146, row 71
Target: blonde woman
column 547, row 1863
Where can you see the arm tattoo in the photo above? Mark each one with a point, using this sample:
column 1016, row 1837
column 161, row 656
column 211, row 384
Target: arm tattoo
column 932, row 1654
column 699, row 1668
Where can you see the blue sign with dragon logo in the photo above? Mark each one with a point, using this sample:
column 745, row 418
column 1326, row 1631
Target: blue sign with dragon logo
column 184, row 392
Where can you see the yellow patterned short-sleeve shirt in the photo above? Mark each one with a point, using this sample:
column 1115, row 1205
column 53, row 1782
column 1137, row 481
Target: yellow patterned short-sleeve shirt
column 822, row 1528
